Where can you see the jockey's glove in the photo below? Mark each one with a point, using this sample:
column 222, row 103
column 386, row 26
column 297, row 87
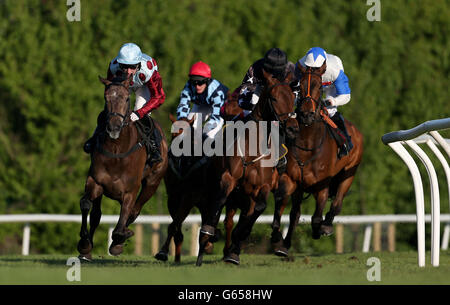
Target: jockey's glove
column 134, row 116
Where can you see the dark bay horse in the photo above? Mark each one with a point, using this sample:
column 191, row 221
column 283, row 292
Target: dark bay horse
column 190, row 183
column 118, row 170
column 313, row 166
column 243, row 171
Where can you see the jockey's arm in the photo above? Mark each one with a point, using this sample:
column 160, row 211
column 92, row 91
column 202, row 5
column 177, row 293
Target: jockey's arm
column 157, row 95
column 215, row 121
column 342, row 87
column 184, row 108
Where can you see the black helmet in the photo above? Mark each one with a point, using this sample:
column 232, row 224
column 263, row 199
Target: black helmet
column 275, row 61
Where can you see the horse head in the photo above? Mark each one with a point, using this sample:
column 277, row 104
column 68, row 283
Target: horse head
column 310, row 94
column 230, row 108
column 277, row 103
column 117, row 104
column 178, row 127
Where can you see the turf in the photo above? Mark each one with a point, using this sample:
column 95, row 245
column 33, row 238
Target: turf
column 298, row 269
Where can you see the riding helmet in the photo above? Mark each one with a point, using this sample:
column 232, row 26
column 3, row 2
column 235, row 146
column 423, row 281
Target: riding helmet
column 129, row 54
column 200, row 70
column 315, row 57
column 275, row 61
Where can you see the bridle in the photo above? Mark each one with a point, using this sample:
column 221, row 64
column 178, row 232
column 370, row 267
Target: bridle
column 125, row 117
column 317, row 104
column 272, row 100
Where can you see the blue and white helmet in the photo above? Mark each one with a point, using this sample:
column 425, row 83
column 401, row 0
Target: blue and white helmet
column 315, row 57
column 129, row 54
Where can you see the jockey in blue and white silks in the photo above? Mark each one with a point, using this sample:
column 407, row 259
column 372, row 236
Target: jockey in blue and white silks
column 336, row 90
column 207, row 95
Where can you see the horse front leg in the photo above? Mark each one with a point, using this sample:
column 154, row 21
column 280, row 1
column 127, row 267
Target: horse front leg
column 227, row 184
column 93, row 193
column 285, row 189
column 294, row 217
column 245, row 224
column 316, row 220
column 121, row 233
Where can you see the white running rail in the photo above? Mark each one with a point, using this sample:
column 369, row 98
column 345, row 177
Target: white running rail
column 424, row 133
column 27, row 219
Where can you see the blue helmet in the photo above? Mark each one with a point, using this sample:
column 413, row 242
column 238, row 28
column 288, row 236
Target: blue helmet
column 315, row 57
column 129, row 54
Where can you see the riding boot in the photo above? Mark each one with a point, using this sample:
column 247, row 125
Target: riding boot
column 90, row 143
column 338, row 119
column 155, row 155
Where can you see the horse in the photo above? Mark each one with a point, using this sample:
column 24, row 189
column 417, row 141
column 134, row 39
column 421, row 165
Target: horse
column 313, row 165
column 118, row 170
column 189, row 183
column 243, row 172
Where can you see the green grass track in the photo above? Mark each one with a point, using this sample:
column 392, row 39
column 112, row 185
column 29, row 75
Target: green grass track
column 299, row 269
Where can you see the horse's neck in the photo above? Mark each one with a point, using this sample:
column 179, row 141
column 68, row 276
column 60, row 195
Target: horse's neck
column 312, row 135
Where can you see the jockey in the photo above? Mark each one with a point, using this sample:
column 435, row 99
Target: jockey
column 208, row 95
column 274, row 62
column 146, row 83
column 335, row 87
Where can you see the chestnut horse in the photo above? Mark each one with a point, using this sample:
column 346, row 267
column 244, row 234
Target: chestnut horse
column 313, row 166
column 118, row 170
column 244, row 171
column 190, row 183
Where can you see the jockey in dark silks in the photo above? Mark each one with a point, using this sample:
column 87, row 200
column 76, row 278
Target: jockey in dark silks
column 276, row 63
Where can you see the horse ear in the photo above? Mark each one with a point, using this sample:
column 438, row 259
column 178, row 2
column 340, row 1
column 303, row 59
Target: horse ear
column 289, row 77
column 301, row 68
column 322, row 69
column 191, row 121
column 104, row 81
column 127, row 81
column 268, row 77
column 172, row 118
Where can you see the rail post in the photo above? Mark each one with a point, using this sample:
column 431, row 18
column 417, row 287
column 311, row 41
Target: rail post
column 410, row 137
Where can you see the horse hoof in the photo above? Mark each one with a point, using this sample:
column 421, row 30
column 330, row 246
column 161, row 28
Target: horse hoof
column 282, row 251
column 316, row 235
column 116, row 250
column 209, row 248
column 232, row 258
column 199, row 260
column 85, row 257
column 326, row 230
column 161, row 256
column 84, row 247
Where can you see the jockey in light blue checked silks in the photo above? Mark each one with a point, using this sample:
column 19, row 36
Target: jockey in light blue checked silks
column 335, row 86
column 207, row 95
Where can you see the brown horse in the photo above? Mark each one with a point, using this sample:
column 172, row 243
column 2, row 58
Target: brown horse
column 313, row 166
column 244, row 171
column 190, row 183
column 118, row 170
